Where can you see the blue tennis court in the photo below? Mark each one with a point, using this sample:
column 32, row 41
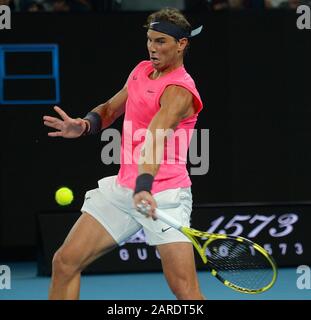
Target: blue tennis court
column 26, row 285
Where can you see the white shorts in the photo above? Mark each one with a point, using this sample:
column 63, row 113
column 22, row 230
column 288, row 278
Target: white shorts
column 112, row 205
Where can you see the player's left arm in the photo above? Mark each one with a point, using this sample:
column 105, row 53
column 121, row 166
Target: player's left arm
column 177, row 103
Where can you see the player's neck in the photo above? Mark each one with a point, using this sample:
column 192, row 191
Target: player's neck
column 160, row 73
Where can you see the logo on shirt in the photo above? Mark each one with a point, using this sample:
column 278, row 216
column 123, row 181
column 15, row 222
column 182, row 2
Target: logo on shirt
column 134, row 77
column 163, row 230
column 150, row 91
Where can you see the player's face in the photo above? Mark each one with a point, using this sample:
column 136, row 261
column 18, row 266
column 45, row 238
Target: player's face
column 164, row 50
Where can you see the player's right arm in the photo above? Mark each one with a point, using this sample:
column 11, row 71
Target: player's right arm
column 68, row 127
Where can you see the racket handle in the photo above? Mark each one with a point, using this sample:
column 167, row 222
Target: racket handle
column 167, row 219
column 144, row 208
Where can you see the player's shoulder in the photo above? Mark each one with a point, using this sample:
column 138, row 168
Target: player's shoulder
column 186, row 76
column 176, row 89
column 142, row 64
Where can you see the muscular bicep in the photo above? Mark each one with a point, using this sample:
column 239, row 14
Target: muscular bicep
column 176, row 105
column 113, row 108
column 116, row 105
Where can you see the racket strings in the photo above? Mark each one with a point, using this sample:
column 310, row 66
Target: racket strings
column 239, row 263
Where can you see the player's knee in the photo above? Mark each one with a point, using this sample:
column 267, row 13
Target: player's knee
column 64, row 264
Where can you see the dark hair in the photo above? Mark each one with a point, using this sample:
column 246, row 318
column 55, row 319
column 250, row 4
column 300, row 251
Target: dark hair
column 171, row 15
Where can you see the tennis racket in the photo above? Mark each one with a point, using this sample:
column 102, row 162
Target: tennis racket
column 237, row 262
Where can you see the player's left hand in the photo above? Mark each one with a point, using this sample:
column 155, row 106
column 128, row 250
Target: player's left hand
column 146, row 199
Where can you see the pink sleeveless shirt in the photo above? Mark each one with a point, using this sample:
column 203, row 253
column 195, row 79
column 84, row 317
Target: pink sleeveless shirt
column 142, row 104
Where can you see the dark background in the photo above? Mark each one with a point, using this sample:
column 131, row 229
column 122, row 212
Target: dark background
column 252, row 71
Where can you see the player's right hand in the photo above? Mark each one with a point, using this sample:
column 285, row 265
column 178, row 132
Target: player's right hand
column 145, row 204
column 66, row 127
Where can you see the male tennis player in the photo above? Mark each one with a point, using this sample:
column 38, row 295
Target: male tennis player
column 159, row 95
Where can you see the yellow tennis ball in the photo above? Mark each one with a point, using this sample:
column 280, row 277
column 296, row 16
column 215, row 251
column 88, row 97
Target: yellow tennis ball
column 64, row 196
